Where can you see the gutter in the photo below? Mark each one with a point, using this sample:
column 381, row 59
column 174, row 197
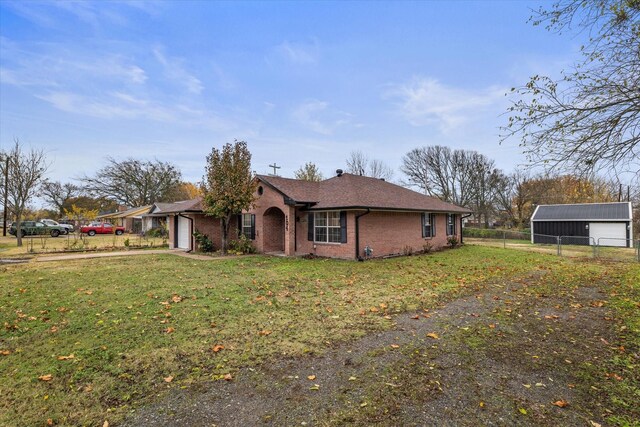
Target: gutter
column 191, row 245
column 461, row 218
column 358, row 257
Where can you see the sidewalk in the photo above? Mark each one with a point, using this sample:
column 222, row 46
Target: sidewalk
column 120, row 254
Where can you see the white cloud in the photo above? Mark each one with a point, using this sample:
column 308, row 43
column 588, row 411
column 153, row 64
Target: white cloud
column 426, row 101
column 316, row 116
column 299, row 53
column 175, row 71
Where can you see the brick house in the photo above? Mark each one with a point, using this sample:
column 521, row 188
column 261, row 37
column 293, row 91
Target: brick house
column 341, row 216
column 338, row 217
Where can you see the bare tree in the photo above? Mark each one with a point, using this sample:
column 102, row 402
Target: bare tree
column 134, row 182
column 589, row 119
column 25, row 173
column 357, row 163
column 379, row 169
column 56, row 194
column 309, row 172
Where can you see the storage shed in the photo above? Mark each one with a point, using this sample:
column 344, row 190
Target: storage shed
column 603, row 224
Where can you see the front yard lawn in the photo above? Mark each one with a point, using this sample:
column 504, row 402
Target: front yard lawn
column 86, row 341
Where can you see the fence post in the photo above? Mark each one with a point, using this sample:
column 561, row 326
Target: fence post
column 504, row 239
column 559, row 238
column 595, row 254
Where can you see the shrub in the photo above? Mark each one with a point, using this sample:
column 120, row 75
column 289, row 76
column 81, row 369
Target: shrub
column 407, row 250
column 126, row 242
column 157, row 232
column 452, row 241
column 242, row 246
column 427, row 247
column 204, row 242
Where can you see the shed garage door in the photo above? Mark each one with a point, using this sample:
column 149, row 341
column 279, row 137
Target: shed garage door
column 608, row 233
column 183, row 233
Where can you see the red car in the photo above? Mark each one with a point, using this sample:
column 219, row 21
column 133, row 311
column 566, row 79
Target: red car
column 100, row 228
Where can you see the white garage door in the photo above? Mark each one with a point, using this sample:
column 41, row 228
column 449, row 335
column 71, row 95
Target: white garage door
column 608, row 234
column 183, row 233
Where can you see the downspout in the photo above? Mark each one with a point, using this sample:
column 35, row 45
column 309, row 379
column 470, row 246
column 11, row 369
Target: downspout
column 191, row 245
column 461, row 218
column 358, row 257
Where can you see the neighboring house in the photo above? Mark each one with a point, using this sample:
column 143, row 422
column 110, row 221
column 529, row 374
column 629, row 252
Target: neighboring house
column 130, row 219
column 604, row 224
column 341, row 216
column 186, row 217
column 156, row 217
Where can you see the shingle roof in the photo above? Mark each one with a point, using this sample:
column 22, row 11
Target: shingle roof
column 129, row 212
column 584, row 212
column 193, row 205
column 353, row 191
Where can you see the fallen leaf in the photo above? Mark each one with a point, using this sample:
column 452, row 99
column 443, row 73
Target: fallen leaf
column 227, row 377
column 176, row 298
column 217, row 348
column 527, row 385
column 105, row 424
column 492, row 326
column 395, row 346
column 264, row 333
column 311, row 377
column 314, row 387
column 594, row 424
column 363, row 404
column 168, row 379
column 352, row 378
column 170, row 330
column 416, row 317
column 47, row 377
column 433, row 335
column 481, row 404
column 523, row 411
column 383, row 305
column 374, row 309
column 5, row 352
column 71, row 356
column 49, row 422
column 561, row 403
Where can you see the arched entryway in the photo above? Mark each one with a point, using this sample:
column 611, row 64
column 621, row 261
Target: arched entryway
column 273, row 230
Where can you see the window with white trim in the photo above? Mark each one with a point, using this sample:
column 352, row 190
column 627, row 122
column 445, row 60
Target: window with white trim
column 451, row 224
column 327, row 227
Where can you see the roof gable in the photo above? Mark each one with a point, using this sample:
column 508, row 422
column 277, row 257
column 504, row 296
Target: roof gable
column 618, row 211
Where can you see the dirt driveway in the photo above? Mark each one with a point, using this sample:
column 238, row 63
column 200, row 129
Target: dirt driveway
column 509, row 354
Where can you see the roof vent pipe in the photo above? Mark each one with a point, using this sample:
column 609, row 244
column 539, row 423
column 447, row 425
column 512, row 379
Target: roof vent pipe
column 339, row 172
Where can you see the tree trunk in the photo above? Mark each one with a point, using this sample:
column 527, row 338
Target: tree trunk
column 18, row 232
column 224, row 223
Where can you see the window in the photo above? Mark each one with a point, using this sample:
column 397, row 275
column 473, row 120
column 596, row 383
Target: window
column 248, row 226
column 451, row 225
column 428, row 225
column 329, row 227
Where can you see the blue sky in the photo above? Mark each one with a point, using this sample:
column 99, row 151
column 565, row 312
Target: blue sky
column 299, row 81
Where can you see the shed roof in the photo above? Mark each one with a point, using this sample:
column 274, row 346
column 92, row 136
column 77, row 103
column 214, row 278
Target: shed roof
column 349, row 191
column 618, row 211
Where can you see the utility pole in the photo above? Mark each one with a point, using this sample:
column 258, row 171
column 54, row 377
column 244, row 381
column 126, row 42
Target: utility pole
column 6, row 195
column 275, row 166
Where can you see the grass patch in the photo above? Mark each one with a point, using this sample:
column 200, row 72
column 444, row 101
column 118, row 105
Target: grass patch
column 139, row 326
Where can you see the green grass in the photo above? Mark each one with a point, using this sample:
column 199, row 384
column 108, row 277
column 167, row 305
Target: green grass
column 131, row 322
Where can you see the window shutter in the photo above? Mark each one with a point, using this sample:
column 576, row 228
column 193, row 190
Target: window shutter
column 253, row 227
column 433, row 225
column 343, row 227
column 422, row 222
column 239, row 225
column 310, row 229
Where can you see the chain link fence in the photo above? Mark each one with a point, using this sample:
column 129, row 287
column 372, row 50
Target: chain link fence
column 569, row 246
column 78, row 242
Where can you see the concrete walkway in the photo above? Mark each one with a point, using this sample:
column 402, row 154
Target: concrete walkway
column 122, row 253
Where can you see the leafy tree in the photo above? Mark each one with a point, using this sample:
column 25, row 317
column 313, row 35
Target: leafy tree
column 228, row 186
column 184, row 191
column 26, row 172
column 134, row 182
column 359, row 164
column 100, row 204
column 589, row 118
column 56, row 194
column 309, row 172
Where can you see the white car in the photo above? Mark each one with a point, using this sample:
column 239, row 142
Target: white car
column 67, row 227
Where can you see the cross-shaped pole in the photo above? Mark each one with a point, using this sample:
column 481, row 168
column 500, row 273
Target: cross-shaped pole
column 275, row 166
